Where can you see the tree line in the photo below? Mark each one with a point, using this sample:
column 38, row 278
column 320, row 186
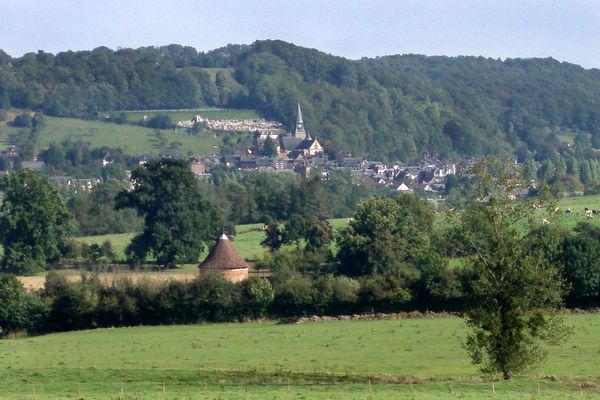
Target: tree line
column 388, row 108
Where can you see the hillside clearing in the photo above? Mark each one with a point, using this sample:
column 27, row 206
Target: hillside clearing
column 133, row 139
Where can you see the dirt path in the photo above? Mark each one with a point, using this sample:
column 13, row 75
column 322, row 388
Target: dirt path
column 37, row 282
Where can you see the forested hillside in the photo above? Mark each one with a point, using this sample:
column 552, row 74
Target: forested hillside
column 390, row 107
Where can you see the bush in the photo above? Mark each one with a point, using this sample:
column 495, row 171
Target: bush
column 214, row 298
column 256, row 296
column 74, row 305
column 118, row 304
column 160, row 121
column 293, row 294
column 22, row 120
column 389, row 292
column 13, row 305
column 336, row 294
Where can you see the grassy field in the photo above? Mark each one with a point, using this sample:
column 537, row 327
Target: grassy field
column 132, row 138
column 246, row 241
column 413, row 358
column 214, row 71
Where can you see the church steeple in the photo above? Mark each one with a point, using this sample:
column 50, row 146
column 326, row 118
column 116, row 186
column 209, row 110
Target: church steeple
column 300, row 131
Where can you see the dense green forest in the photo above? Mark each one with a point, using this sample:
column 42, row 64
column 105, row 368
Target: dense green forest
column 391, row 107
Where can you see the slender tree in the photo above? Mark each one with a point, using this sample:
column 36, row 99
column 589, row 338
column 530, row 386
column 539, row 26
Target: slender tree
column 516, row 293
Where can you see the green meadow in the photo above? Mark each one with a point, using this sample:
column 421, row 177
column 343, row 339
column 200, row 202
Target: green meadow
column 133, row 139
column 246, row 240
column 410, row 358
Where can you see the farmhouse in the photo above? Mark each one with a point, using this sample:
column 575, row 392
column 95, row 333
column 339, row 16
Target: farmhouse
column 223, row 258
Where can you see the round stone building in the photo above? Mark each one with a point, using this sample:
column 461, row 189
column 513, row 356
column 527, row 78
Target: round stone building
column 224, row 259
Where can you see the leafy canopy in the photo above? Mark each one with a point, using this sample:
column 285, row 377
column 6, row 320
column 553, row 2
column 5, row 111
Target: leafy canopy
column 34, row 223
column 384, row 234
column 516, row 290
column 178, row 221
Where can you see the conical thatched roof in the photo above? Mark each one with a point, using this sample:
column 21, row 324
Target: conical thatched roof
column 223, row 256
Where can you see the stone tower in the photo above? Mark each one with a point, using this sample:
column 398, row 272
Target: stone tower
column 300, row 131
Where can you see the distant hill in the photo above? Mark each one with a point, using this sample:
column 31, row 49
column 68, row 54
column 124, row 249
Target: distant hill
column 390, row 107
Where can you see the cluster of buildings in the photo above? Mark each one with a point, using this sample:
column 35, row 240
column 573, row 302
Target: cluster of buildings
column 301, row 152
column 428, row 174
column 274, row 149
column 243, row 125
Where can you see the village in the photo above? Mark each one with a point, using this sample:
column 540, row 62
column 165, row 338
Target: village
column 301, row 152
column 276, row 150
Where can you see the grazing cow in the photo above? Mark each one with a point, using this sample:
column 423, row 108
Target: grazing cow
column 568, row 211
column 589, row 214
column 545, row 221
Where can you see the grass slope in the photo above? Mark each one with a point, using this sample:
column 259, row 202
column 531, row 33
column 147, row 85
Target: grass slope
column 132, row 138
column 350, row 359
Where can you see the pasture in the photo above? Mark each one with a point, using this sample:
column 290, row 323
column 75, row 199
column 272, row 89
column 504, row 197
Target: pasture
column 410, row 358
column 133, row 139
column 246, row 240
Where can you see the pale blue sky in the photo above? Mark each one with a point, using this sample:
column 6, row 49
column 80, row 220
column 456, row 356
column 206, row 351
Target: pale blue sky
column 566, row 30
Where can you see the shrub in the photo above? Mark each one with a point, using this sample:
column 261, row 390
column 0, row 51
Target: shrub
column 13, row 305
column 293, row 294
column 214, row 298
column 22, row 120
column 74, row 305
column 256, row 296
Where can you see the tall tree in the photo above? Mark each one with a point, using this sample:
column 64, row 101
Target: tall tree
column 34, row 223
column 385, row 234
column 579, row 256
column 178, row 220
column 516, row 292
column 269, row 147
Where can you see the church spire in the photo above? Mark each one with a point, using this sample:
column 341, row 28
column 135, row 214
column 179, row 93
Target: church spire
column 300, row 131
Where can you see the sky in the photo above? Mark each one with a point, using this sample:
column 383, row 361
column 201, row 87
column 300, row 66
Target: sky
column 567, row 30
